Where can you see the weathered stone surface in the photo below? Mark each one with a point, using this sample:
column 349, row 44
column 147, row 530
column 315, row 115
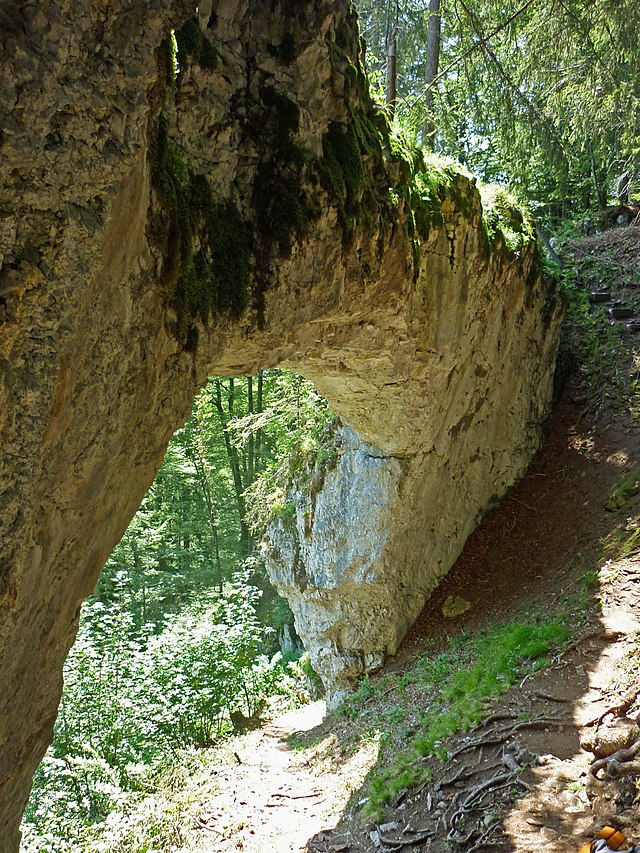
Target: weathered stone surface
column 620, row 733
column 332, row 562
column 106, row 330
column 451, row 384
column 455, row 605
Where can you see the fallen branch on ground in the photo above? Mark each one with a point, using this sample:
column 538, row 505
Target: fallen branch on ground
column 297, row 796
column 202, row 824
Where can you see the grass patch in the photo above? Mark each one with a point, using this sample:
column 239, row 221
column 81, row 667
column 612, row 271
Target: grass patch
column 626, row 489
column 455, row 688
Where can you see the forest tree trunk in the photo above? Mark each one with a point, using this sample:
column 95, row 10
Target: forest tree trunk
column 431, row 70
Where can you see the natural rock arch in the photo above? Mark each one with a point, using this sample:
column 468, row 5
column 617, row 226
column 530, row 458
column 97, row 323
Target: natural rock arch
column 248, row 214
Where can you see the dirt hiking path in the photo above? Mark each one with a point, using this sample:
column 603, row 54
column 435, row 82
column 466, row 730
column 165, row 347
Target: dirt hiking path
column 272, row 796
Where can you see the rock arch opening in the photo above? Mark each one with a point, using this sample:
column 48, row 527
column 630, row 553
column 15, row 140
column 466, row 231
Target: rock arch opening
column 175, row 646
column 308, row 242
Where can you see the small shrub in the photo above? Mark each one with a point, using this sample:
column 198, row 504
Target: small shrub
column 154, row 697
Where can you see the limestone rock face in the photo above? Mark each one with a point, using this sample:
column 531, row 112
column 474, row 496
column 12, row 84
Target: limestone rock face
column 331, row 561
column 446, row 438
column 233, row 206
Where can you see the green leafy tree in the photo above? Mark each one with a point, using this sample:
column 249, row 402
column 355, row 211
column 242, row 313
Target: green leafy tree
column 543, row 96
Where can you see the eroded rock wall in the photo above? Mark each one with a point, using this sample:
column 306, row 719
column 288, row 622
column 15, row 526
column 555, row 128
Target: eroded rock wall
column 452, row 404
column 164, row 218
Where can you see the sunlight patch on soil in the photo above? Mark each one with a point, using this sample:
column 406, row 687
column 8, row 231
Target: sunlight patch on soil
column 566, row 803
column 279, row 786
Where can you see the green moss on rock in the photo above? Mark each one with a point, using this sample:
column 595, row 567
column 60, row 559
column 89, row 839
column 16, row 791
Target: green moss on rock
column 349, row 70
column 206, row 242
column 193, row 45
column 626, row 489
column 283, row 210
column 402, row 150
column 343, row 169
column 426, row 184
column 280, row 123
column 425, row 198
column 347, row 37
column 431, row 182
column 216, row 276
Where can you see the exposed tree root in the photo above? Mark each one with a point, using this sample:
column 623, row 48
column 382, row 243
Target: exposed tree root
column 409, row 838
column 613, row 764
column 476, row 794
column 503, row 734
column 620, row 709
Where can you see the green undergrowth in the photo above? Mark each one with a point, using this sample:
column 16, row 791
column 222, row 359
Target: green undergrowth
column 627, row 488
column 453, row 691
column 504, row 216
column 591, row 344
column 599, row 268
column 590, row 341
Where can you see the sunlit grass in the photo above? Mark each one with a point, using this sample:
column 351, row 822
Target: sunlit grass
column 456, row 688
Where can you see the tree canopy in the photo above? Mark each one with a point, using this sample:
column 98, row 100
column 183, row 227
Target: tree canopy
column 542, row 95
